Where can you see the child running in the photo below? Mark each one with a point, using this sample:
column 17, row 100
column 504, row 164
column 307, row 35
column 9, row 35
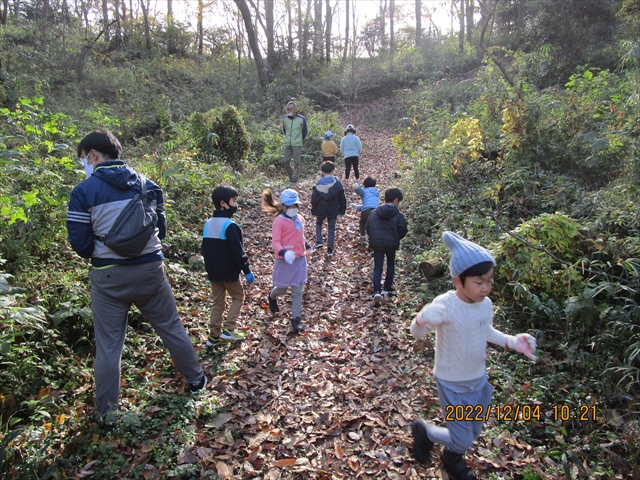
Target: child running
column 370, row 201
column 463, row 322
column 327, row 201
column 289, row 246
column 224, row 259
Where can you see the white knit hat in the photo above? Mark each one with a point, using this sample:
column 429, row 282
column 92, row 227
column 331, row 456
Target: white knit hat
column 464, row 254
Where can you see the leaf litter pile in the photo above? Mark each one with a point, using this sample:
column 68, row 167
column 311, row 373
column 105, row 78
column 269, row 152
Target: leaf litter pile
column 336, row 401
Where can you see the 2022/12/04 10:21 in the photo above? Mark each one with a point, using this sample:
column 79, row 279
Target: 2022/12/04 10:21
column 582, row 413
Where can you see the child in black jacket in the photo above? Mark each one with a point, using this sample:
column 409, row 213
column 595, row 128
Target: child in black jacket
column 224, row 259
column 386, row 226
column 327, row 201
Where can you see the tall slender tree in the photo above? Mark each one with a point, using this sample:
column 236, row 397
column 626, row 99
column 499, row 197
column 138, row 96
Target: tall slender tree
column 392, row 37
column 263, row 77
column 470, row 7
column 5, row 11
column 461, row 32
column 268, row 14
column 300, row 46
column 105, row 18
column 200, row 26
column 418, row 22
column 346, row 33
column 144, row 4
column 318, row 51
column 329, row 20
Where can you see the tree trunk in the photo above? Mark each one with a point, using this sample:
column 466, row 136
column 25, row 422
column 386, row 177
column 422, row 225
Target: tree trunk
column 147, row 29
column 392, row 37
column 253, row 43
column 271, row 51
column 432, row 268
column 346, row 34
column 383, row 24
column 470, row 8
column 16, row 11
column 289, row 7
column 317, row 29
column 306, row 33
column 329, row 20
column 300, row 47
column 418, row 23
column 105, row 17
column 200, row 26
column 116, row 9
column 461, row 32
column 5, row 11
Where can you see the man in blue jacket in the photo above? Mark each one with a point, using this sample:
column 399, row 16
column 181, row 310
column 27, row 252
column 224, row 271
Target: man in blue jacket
column 294, row 127
column 118, row 282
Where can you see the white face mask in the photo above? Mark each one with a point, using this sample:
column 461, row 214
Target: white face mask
column 88, row 169
column 292, row 212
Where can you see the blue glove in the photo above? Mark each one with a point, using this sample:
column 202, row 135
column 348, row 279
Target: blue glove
column 249, row 277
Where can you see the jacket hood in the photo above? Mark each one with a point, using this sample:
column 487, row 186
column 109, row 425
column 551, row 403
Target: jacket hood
column 387, row 210
column 117, row 173
column 325, row 183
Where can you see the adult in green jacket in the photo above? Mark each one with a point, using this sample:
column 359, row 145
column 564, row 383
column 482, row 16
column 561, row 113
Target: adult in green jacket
column 294, row 127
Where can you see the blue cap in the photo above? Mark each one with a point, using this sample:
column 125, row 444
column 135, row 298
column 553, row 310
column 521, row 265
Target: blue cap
column 289, row 197
column 464, row 254
column 328, row 134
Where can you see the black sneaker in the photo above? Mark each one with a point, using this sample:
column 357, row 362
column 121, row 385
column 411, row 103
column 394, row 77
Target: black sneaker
column 273, row 304
column 422, row 444
column 456, row 467
column 196, row 388
column 388, row 291
column 318, row 245
column 329, row 251
column 296, row 324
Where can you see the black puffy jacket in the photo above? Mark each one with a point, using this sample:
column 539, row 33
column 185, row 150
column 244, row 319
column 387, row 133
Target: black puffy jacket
column 328, row 198
column 386, row 226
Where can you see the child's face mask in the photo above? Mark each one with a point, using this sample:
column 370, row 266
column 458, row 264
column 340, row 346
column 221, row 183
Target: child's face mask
column 88, row 169
column 292, row 212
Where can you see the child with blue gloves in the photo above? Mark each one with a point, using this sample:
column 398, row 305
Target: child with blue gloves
column 463, row 320
column 224, row 259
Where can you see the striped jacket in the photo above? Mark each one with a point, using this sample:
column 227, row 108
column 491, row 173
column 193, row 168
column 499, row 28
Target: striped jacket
column 94, row 206
column 222, row 249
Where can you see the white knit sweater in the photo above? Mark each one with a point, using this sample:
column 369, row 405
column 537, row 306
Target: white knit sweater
column 461, row 339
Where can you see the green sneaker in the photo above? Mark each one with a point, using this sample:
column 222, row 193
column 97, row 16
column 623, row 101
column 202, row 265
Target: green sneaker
column 232, row 335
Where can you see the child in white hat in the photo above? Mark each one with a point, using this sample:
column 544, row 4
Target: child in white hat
column 463, row 321
column 290, row 248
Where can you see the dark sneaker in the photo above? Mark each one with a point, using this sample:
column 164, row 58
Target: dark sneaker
column 388, row 291
column 318, row 245
column 456, row 467
column 196, row 388
column 273, row 304
column 329, row 251
column 377, row 299
column 422, row 444
column 296, row 324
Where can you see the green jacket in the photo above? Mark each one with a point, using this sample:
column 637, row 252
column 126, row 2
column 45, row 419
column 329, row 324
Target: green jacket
column 295, row 130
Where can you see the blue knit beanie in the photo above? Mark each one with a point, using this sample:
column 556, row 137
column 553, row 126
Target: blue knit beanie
column 464, row 254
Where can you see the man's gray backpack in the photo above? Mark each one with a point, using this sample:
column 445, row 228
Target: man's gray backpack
column 134, row 226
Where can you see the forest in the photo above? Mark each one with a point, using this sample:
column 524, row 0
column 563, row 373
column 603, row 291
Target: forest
column 514, row 123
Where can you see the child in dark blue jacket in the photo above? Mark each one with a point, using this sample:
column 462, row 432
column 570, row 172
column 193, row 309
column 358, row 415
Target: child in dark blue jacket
column 224, row 259
column 370, row 201
column 386, row 227
column 327, row 201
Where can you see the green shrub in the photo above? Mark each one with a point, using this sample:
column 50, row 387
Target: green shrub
column 221, row 134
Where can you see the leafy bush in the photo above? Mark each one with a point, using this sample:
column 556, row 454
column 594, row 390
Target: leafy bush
column 221, row 134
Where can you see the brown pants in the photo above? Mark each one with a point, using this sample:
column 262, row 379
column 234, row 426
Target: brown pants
column 219, row 295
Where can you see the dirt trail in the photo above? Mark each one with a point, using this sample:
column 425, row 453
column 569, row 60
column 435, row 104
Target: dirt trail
column 338, row 400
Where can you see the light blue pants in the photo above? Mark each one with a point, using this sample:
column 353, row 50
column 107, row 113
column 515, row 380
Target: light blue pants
column 296, row 297
column 459, row 434
column 113, row 291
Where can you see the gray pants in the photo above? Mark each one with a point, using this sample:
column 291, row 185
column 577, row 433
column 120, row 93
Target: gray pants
column 459, row 434
column 296, row 298
column 292, row 153
column 113, row 291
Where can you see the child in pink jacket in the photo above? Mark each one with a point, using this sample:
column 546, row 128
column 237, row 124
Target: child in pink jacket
column 289, row 246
